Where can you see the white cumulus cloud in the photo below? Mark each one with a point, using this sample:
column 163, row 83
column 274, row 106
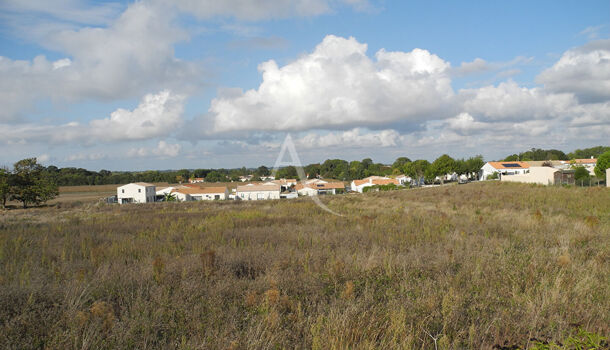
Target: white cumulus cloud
column 163, row 149
column 355, row 138
column 265, row 9
column 584, row 71
column 509, row 101
column 338, row 85
column 132, row 55
column 157, row 115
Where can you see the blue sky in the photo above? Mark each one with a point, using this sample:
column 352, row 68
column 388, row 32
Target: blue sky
column 199, row 84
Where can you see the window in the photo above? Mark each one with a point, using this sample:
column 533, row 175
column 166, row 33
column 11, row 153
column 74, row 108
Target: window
column 139, row 190
column 122, row 191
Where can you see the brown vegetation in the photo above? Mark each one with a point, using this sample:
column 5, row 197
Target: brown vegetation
column 473, row 266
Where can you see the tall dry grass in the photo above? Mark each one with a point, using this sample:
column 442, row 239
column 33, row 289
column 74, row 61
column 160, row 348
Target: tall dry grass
column 474, row 266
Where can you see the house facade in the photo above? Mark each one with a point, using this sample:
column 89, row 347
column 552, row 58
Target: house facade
column 185, row 194
column 403, row 179
column 543, row 176
column 319, row 187
column 253, row 192
column 137, row 192
column 588, row 164
column 503, row 168
column 285, row 184
column 359, row 185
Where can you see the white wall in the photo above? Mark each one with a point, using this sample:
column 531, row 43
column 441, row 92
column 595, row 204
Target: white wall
column 258, row 195
column 133, row 193
column 307, row 191
column 212, row 196
column 539, row 175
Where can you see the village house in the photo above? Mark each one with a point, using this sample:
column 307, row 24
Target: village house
column 137, row 192
column 186, row 193
column 504, row 168
column 251, row 192
column 588, row 164
column 245, row 178
column 196, row 180
column 544, row 176
column 403, row 179
column 319, row 187
column 285, row 184
column 359, row 185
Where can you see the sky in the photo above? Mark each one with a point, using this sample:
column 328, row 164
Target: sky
column 155, row 84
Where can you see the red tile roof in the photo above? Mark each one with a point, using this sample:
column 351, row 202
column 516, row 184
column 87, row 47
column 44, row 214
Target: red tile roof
column 500, row 165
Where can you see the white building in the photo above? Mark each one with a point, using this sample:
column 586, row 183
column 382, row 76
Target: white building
column 164, row 191
column 253, row 192
column 319, row 187
column 359, row 185
column 403, row 179
column 137, row 192
column 588, row 164
column 537, row 175
column 504, row 168
column 185, row 194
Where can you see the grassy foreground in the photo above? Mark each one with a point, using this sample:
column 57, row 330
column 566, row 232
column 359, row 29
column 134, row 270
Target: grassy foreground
column 473, row 266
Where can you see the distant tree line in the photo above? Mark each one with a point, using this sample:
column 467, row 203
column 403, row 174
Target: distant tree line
column 537, row 154
column 338, row 169
column 27, row 183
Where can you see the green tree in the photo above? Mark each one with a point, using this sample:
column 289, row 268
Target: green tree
column 581, row 174
column 474, row 165
column 262, row 171
column 603, row 163
column 588, row 152
column 417, row 169
column 215, row 176
column 5, row 186
column 30, row 186
column 312, row 170
column 185, row 174
column 461, row 166
column 335, row 169
column 289, row 172
column 442, row 166
column 356, row 170
column 400, row 162
column 168, row 197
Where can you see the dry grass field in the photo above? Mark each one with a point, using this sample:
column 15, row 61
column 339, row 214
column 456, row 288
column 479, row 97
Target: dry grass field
column 483, row 265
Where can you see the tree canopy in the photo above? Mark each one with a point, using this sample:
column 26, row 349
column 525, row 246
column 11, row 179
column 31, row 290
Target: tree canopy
column 603, row 163
column 588, row 152
column 537, row 154
column 29, row 184
column 442, row 166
